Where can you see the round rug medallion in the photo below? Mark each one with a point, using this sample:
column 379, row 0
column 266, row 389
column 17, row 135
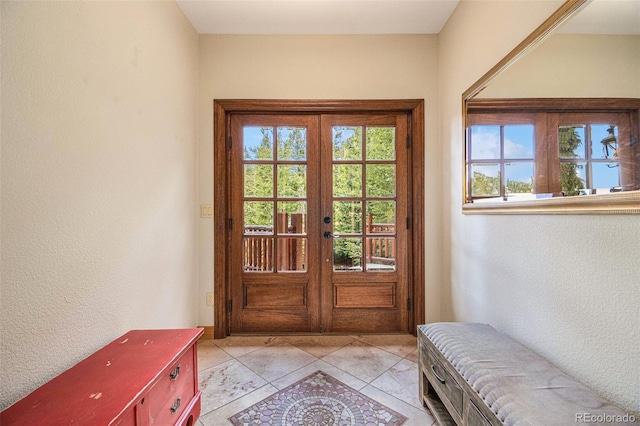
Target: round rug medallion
column 318, row 400
column 318, row 410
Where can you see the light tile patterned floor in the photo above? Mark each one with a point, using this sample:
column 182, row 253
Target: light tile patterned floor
column 238, row 371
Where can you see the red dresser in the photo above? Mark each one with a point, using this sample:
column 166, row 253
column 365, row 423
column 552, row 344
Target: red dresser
column 146, row 377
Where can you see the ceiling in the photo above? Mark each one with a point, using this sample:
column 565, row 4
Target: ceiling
column 318, row 16
column 375, row 16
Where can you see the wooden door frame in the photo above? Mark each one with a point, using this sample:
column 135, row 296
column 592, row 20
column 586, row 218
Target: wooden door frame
column 222, row 110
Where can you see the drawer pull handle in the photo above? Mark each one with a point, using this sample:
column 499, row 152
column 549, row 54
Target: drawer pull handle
column 175, row 406
column 175, row 373
column 433, row 369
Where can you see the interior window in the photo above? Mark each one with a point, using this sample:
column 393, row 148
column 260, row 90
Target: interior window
column 501, row 160
column 541, row 153
column 588, row 159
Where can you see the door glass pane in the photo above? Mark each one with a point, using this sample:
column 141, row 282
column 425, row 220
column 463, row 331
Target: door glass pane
column 292, row 254
column 292, row 143
column 519, row 177
column 605, row 141
column 381, row 180
column 347, row 143
column 292, row 180
column 258, row 180
column 292, row 217
column 380, row 254
column 381, row 143
column 347, row 254
column 485, row 142
column 485, row 180
column 571, row 140
column 347, row 180
column 258, row 217
column 381, row 216
column 518, row 141
column 572, row 177
column 258, row 143
column 347, row 217
column 257, row 253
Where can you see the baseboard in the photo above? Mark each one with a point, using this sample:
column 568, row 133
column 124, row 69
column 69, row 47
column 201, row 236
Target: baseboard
column 208, row 332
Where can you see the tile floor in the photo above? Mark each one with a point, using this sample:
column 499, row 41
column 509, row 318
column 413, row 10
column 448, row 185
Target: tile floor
column 239, row 371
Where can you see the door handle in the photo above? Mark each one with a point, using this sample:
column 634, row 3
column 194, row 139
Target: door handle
column 328, row 235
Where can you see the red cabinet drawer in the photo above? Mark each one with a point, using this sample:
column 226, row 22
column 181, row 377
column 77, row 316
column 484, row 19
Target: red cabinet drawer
column 174, row 406
column 178, row 378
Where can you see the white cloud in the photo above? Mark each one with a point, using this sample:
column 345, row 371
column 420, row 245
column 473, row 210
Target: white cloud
column 485, row 142
column 516, row 150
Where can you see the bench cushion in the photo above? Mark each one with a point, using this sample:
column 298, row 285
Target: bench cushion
column 520, row 387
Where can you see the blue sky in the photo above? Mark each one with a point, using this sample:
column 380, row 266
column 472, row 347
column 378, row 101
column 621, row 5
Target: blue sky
column 519, row 144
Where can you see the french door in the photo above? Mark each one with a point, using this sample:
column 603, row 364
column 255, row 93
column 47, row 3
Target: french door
column 275, row 198
column 319, row 234
column 364, row 285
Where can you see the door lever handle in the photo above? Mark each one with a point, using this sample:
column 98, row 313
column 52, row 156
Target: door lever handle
column 328, row 235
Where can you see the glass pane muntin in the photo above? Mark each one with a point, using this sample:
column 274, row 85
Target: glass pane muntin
column 593, row 166
column 275, row 198
column 362, row 176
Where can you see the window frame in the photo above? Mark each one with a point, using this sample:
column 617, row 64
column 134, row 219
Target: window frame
column 546, row 114
column 619, row 119
column 501, row 120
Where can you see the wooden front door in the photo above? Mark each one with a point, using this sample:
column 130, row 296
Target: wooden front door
column 364, row 208
column 319, row 219
column 275, row 201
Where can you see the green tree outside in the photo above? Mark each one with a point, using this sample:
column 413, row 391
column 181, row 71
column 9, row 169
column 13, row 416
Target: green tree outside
column 347, row 181
column 569, row 141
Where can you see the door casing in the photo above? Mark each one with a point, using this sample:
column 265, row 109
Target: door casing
column 223, row 108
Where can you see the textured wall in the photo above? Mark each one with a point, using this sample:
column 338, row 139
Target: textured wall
column 565, row 286
column 98, row 180
column 321, row 67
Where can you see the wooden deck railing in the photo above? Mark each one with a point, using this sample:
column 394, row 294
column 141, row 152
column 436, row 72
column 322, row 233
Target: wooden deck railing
column 291, row 253
column 380, row 249
column 259, row 247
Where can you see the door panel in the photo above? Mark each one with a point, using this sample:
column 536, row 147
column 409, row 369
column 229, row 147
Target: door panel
column 364, row 267
column 319, row 238
column 367, row 295
column 275, row 203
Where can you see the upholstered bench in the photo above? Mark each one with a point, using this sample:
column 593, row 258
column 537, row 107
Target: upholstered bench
column 471, row 374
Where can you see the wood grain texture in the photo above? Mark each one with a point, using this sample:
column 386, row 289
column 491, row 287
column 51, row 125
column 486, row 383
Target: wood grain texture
column 480, row 105
column 220, row 220
column 365, row 296
column 415, row 206
column 377, row 291
column 223, row 257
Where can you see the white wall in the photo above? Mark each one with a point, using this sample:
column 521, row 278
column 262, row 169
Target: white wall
column 565, row 286
column 320, row 67
column 99, row 204
column 574, row 65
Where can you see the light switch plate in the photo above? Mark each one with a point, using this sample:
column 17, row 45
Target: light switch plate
column 206, row 210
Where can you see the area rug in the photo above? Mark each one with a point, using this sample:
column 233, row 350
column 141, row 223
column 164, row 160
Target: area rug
column 318, row 400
